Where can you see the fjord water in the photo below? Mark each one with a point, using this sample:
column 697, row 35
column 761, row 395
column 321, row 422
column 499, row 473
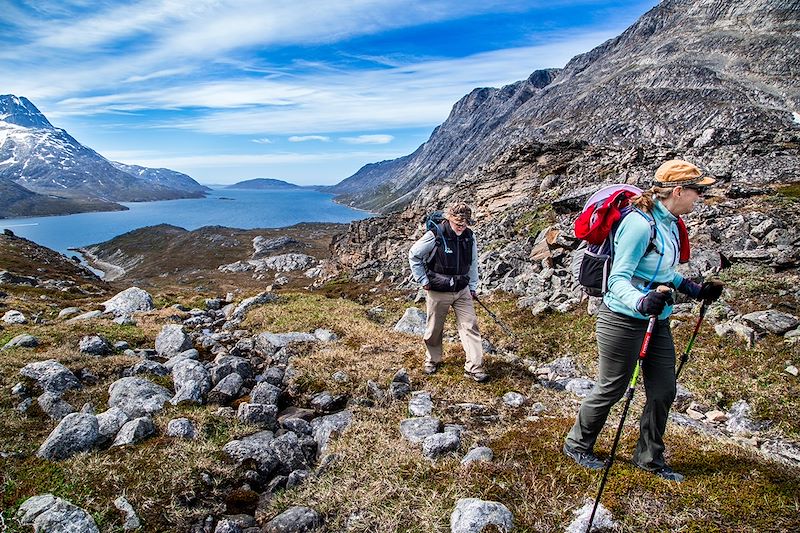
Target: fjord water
column 235, row 208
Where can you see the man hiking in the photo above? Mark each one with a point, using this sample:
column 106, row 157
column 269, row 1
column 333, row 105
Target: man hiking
column 445, row 262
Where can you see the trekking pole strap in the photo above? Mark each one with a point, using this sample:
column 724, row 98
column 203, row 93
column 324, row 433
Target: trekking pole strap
column 497, row 320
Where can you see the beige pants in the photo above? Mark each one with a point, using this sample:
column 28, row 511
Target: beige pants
column 438, row 304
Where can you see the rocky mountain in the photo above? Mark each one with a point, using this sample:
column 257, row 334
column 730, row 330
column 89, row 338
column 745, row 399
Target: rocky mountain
column 263, row 184
column 163, row 176
column 711, row 81
column 49, row 162
column 687, row 74
column 17, row 201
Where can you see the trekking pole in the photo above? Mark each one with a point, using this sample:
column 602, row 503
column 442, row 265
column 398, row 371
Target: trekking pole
column 628, row 397
column 685, row 356
column 497, row 320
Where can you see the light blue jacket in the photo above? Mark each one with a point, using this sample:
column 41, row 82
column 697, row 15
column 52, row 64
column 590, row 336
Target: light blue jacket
column 632, row 270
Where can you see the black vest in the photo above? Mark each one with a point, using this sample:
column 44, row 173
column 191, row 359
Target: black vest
column 448, row 267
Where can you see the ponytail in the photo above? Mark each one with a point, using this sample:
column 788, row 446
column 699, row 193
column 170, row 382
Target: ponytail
column 646, row 200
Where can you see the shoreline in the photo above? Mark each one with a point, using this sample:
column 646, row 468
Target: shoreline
column 111, row 272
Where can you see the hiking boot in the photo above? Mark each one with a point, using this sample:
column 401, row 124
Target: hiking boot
column 665, row 472
column 480, row 377
column 586, row 460
column 430, row 368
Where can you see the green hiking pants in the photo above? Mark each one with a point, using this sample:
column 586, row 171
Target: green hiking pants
column 619, row 339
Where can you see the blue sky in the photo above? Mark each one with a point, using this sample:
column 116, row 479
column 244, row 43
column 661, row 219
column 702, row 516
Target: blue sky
column 304, row 91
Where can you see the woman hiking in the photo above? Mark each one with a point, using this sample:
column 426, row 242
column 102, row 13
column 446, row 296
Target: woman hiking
column 639, row 267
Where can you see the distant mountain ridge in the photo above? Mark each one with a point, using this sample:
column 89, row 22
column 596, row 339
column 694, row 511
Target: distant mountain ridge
column 688, row 73
column 68, row 177
column 263, row 184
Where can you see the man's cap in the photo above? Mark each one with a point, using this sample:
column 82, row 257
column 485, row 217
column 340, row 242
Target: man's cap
column 679, row 172
column 459, row 213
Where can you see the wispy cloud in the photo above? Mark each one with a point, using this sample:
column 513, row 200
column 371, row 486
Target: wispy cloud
column 262, row 140
column 306, row 138
column 368, row 139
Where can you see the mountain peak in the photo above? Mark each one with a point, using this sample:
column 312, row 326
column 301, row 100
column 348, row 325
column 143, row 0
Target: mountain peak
column 20, row 111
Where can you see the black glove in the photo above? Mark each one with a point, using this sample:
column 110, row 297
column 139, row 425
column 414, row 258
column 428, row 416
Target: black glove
column 654, row 302
column 690, row 288
column 710, row 291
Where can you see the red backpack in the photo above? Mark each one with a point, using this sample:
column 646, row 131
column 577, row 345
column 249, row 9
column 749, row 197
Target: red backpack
column 597, row 224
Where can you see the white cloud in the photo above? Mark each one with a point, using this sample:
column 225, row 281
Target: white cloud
column 263, row 140
column 305, row 138
column 222, row 160
column 368, row 139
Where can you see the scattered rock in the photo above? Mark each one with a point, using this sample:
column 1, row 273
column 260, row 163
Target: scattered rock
column 76, row 433
column 739, row 421
column 340, row 376
column 294, row 520
column 109, row 423
column 128, row 301
column 137, row 396
column 580, row 387
column 192, row 382
column 51, row 376
column 480, row 453
column 746, row 333
column 248, row 303
column 472, row 515
column 416, row 430
column 513, row 399
column 131, row 521
column 172, row 340
column 265, row 392
column 226, row 390
column 135, row 431
column 603, row 521
column 14, row 317
column 420, row 404
column 258, row 414
column 47, row 513
column 181, row 428
column 325, row 427
column 440, row 444
column 94, row 345
column 413, row 322
column 325, row 335
column 772, row 321
column 69, row 312
column 53, row 406
column 22, row 341
column 86, row 316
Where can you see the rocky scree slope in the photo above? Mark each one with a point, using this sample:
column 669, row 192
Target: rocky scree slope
column 687, row 74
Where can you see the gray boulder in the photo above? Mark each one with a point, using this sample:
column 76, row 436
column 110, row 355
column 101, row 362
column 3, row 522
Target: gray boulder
column 326, row 427
column 265, row 393
column 22, row 341
column 172, row 340
column 95, row 345
column 226, row 390
column 472, row 515
column 191, row 353
column 274, row 376
column 192, row 382
column 580, row 387
column 416, row 430
column 513, row 399
column 420, row 403
column 289, row 453
column 413, row 322
column 109, row 423
column 49, row 514
column 284, row 339
column 181, row 428
column 255, row 447
column 740, row 421
column 478, row 454
column 131, row 521
column 14, row 317
column 325, row 335
column 128, row 301
column 69, row 312
column 135, row 431
column 149, row 367
column 258, row 414
column 51, row 376
column 86, row 316
column 289, row 262
column 76, row 433
column 137, row 396
column 295, row 520
column 772, row 321
column 440, row 444
column 53, row 406
column 229, row 364
column 248, row 303
column 227, row 526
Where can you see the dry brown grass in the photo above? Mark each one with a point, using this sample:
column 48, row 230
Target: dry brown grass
column 379, row 481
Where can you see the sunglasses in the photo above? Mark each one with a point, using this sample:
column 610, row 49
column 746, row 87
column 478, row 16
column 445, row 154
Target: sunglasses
column 699, row 189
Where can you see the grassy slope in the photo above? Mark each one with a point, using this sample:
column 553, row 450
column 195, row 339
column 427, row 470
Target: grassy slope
column 380, row 482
